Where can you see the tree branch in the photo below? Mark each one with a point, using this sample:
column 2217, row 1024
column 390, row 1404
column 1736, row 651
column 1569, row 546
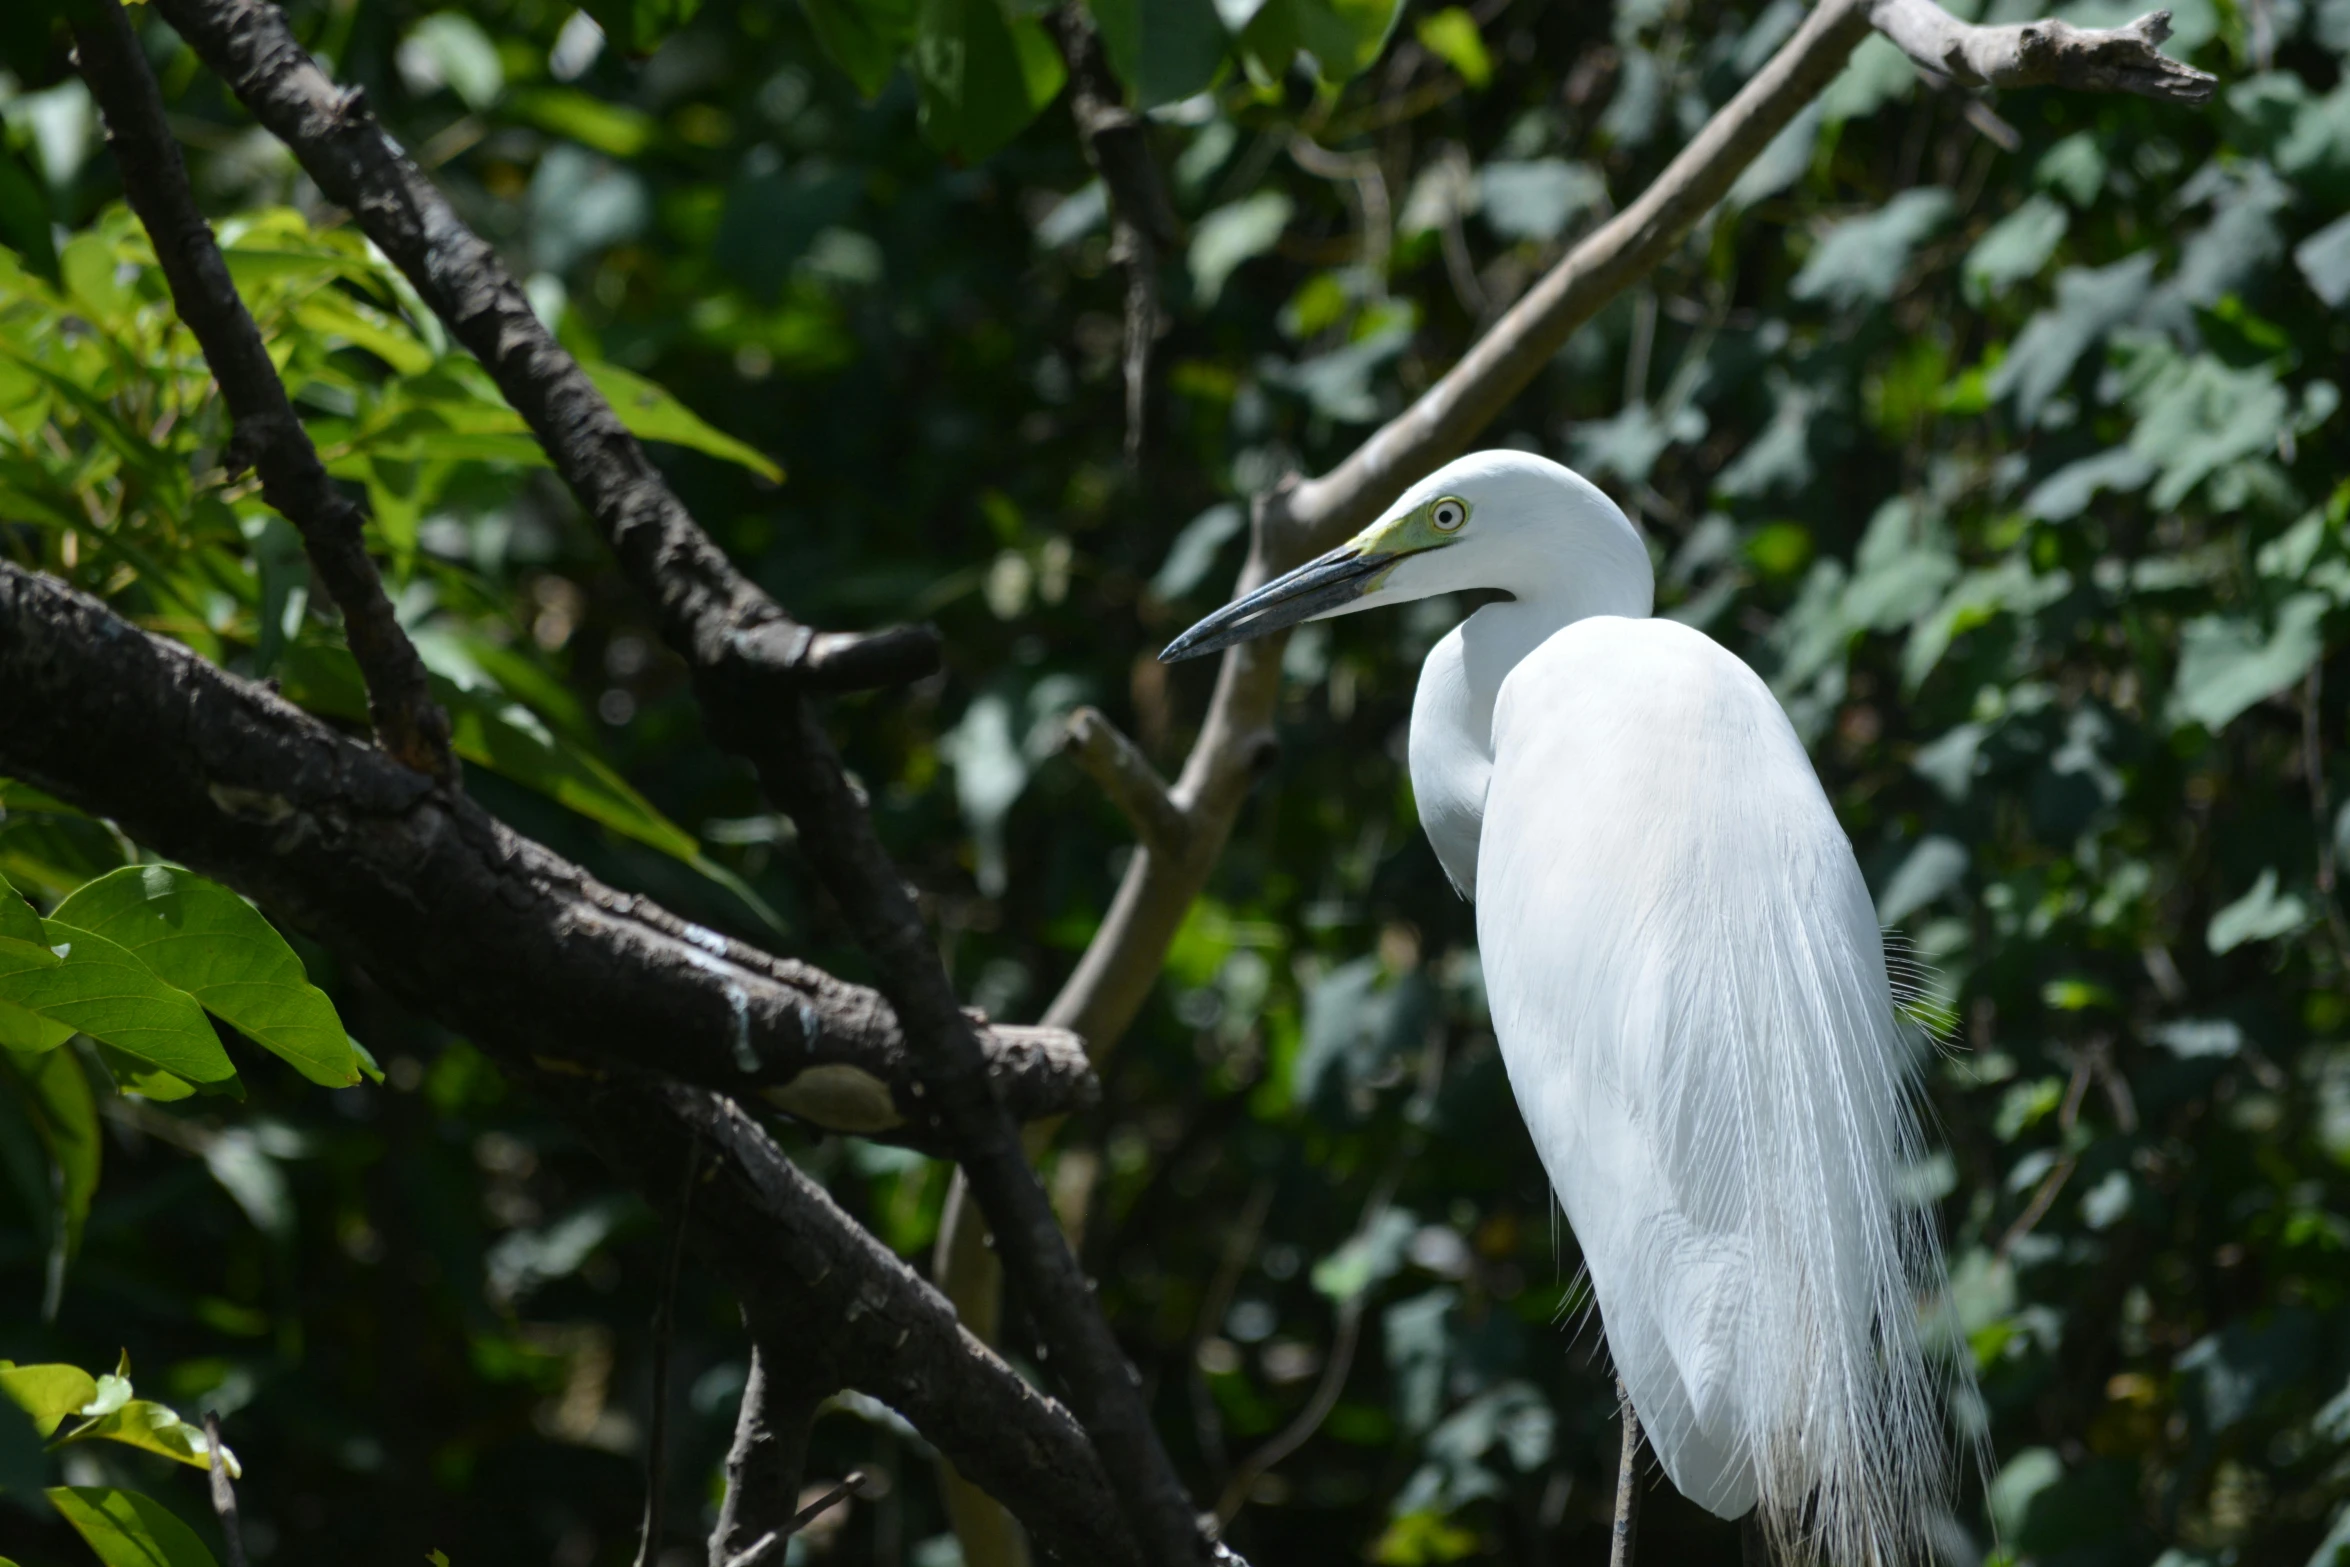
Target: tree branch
column 833, row 1303
column 770, row 1451
column 1298, row 520
column 2043, row 53
column 464, row 921
column 1141, row 217
column 268, row 437
column 1127, row 777
column 444, row 905
column 704, row 607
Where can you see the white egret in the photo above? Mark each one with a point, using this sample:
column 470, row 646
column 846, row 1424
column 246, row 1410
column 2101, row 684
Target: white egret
column 1689, row 987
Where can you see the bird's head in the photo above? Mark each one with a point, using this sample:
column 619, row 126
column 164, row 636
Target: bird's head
column 1498, row 519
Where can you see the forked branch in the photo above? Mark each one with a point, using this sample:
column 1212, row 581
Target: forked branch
column 716, row 619
column 268, row 437
column 1127, row 777
column 2043, row 53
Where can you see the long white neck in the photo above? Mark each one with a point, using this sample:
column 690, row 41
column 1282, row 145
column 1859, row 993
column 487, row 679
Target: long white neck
column 1452, row 712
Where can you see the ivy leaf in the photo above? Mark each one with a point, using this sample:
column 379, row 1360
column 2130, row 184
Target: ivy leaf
column 1860, row 260
column 127, row 1529
column 207, row 941
column 106, row 992
column 2226, row 664
column 2262, row 914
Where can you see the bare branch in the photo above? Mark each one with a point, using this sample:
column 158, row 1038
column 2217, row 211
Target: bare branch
column 703, row 607
column 268, row 438
column 2042, row 53
column 648, row 1548
column 828, row 1303
column 1127, row 777
column 224, row 1495
column 770, row 1450
column 1141, row 217
column 444, row 905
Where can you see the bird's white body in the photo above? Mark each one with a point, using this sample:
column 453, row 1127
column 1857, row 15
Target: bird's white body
column 1689, row 988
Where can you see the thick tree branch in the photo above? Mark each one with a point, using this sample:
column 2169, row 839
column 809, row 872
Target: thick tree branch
column 834, row 1305
column 447, row 907
column 268, row 437
column 1127, row 777
column 1141, row 217
column 463, row 920
column 705, row 608
column 2042, row 54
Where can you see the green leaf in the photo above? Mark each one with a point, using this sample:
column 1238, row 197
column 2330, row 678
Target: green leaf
column 1452, row 36
column 2226, row 664
column 107, row 993
column 155, row 1428
column 1164, row 50
column 511, row 741
column 127, row 1529
column 20, row 929
column 133, row 1076
column 1343, row 36
column 1234, row 234
column 2263, row 914
column 652, row 414
column 983, row 77
column 48, row 1393
column 611, row 128
column 24, row 214
column 52, row 1090
column 863, row 37
column 207, row 941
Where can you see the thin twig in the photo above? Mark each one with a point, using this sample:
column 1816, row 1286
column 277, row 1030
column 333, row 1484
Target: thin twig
column 852, row 1484
column 268, row 437
column 1127, row 777
column 1300, row 1430
column 648, row 1549
column 1627, row 1523
column 224, row 1495
column 1142, row 219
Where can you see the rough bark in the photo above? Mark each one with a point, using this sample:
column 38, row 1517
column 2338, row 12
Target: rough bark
column 268, row 438
column 449, row 909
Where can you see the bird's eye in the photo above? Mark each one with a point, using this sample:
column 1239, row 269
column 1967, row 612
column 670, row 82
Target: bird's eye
column 1448, row 515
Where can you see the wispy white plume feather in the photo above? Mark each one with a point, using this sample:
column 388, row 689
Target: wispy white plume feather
column 1691, row 993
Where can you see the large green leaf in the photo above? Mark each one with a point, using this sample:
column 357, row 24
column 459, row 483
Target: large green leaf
column 207, row 941
column 127, row 1529
column 107, row 993
column 983, row 77
column 154, row 1428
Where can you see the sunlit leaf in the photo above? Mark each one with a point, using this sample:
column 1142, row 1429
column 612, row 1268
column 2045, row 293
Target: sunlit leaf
column 108, row 993
column 207, row 941
column 127, row 1529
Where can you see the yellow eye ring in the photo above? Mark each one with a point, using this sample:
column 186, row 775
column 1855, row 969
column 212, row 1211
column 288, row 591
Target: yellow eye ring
column 1448, row 514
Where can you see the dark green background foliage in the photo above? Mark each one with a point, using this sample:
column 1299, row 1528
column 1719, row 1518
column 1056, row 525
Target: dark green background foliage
column 2019, row 473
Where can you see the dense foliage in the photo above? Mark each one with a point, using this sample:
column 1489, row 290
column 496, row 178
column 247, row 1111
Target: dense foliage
column 2018, row 469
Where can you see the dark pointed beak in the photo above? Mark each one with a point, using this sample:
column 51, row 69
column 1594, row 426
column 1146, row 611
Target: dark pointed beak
column 1318, row 586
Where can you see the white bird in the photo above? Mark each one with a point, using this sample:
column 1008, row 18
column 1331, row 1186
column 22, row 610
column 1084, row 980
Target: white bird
column 1689, row 987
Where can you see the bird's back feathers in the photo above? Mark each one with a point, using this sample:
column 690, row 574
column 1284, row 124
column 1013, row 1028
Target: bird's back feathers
column 1690, row 992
